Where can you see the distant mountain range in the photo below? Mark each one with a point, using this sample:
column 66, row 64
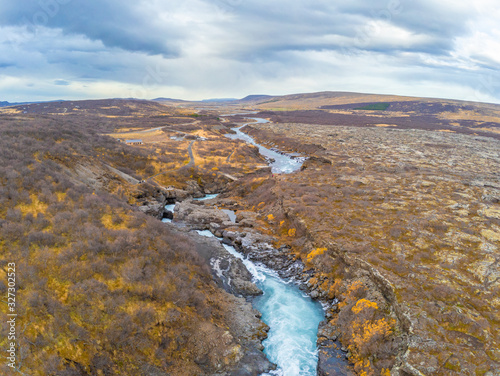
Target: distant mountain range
column 249, row 98
column 291, row 101
column 161, row 99
column 6, row 104
column 252, row 98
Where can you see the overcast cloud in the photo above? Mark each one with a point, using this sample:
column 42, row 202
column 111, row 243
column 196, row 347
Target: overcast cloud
column 197, row 49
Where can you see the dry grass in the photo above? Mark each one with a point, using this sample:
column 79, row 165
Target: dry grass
column 316, row 100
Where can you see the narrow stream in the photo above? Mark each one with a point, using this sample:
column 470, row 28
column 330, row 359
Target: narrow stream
column 292, row 316
column 206, row 197
column 170, row 208
column 280, row 163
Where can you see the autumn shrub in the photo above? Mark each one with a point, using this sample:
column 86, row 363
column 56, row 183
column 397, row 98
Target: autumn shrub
column 370, row 331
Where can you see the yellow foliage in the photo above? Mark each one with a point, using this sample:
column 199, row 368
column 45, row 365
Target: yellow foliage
column 107, row 221
column 353, row 288
column 60, row 288
column 362, row 304
column 270, row 217
column 69, row 348
column 291, row 232
column 36, row 155
column 363, row 367
column 261, row 203
column 363, row 333
column 281, row 223
column 315, row 252
column 60, row 196
column 325, row 286
column 336, row 285
column 313, row 281
column 34, row 207
column 385, row 372
column 215, row 169
column 352, row 293
column 113, row 284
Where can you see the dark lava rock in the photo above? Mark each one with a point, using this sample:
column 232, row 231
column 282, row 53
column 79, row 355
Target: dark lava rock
column 331, row 359
column 168, row 214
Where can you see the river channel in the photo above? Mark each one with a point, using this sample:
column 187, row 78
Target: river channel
column 293, row 317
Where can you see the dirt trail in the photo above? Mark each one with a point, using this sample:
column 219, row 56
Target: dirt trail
column 229, row 156
column 191, row 156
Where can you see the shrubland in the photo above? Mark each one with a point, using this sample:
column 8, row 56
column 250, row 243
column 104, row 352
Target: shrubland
column 102, row 289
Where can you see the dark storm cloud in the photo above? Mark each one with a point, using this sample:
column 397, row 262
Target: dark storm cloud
column 116, row 23
column 289, row 19
column 439, row 18
column 261, row 26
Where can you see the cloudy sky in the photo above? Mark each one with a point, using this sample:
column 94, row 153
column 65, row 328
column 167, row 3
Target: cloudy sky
column 197, row 49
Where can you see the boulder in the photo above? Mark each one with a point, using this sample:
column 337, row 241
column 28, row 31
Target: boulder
column 198, row 214
column 153, row 208
column 228, row 271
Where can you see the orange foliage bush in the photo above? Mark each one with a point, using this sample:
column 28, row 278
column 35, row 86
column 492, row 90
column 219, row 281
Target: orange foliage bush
column 365, row 333
column 355, row 291
column 315, row 252
column 363, row 304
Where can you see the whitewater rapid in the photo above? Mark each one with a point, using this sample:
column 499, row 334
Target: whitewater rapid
column 292, row 317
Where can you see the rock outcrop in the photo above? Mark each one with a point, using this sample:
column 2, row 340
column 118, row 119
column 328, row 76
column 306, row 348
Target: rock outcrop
column 231, row 274
column 228, row 271
column 197, row 214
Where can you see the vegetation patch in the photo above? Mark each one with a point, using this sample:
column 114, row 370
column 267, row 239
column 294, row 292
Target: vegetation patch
column 374, row 107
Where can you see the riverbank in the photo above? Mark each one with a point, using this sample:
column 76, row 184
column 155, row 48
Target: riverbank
column 358, row 303
column 380, row 327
